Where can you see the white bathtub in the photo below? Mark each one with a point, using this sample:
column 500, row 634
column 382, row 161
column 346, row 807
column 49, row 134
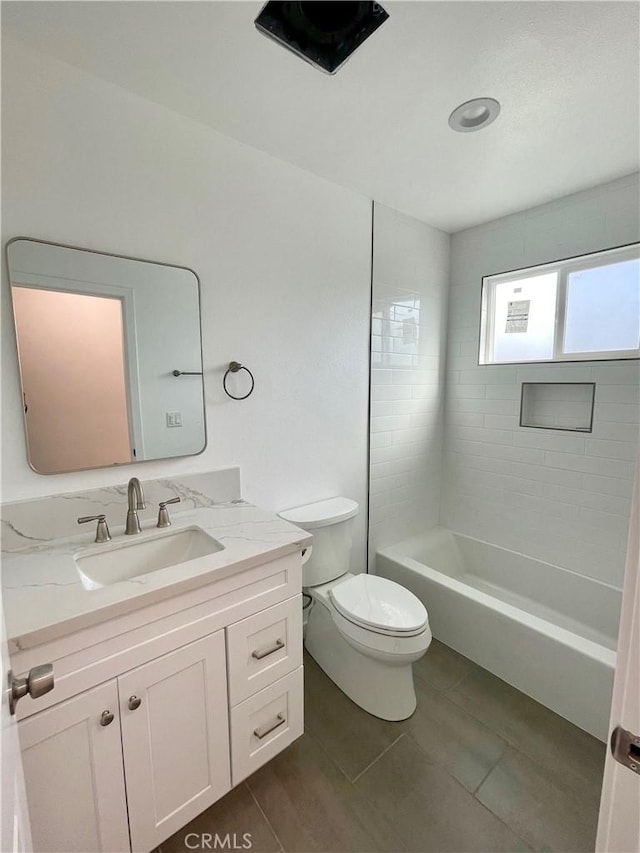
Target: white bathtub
column 546, row 630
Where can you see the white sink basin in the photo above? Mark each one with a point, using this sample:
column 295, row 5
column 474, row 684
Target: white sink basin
column 126, row 560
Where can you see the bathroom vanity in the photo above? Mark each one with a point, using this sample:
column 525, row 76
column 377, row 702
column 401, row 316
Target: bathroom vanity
column 171, row 686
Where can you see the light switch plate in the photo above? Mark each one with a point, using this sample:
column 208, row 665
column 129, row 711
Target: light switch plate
column 174, row 419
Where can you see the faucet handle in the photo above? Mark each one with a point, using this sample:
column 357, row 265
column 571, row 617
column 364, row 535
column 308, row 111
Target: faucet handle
column 102, row 530
column 163, row 512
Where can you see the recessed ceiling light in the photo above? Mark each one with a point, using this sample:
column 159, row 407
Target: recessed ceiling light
column 474, row 115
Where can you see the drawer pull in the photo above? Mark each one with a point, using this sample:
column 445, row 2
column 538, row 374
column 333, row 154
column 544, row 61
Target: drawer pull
column 262, row 732
column 279, row 644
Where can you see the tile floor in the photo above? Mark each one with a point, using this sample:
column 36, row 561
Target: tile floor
column 479, row 767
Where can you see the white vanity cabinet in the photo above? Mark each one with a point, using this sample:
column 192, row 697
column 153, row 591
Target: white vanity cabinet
column 163, row 710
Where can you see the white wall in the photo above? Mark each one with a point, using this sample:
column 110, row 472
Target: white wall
column 558, row 496
column 283, row 258
column 410, row 277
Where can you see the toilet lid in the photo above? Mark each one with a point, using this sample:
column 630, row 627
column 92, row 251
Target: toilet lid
column 379, row 603
column 321, row 513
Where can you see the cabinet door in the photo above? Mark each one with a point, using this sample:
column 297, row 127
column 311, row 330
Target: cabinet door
column 175, row 738
column 73, row 773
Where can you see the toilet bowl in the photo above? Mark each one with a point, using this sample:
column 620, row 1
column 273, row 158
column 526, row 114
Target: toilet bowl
column 364, row 631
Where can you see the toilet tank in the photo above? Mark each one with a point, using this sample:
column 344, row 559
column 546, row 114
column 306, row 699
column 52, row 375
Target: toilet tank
column 331, row 523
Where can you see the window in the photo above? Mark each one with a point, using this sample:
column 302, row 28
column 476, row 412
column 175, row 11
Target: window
column 585, row 308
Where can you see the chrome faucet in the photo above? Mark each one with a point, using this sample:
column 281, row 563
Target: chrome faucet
column 135, row 496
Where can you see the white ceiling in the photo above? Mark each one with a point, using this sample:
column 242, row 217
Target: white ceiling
column 566, row 74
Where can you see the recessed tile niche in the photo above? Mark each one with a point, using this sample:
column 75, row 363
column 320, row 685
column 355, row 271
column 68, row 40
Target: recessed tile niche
column 558, row 405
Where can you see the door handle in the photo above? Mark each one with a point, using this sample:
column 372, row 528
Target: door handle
column 38, row 682
column 625, row 748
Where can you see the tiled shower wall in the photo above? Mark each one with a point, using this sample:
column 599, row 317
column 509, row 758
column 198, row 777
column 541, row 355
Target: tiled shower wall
column 410, row 284
column 559, row 496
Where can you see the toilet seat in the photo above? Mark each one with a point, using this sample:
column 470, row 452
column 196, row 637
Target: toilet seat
column 380, row 606
column 387, row 646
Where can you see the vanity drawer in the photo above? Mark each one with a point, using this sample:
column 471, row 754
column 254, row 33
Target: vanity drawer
column 264, row 647
column 265, row 724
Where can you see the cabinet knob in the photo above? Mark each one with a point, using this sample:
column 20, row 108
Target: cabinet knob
column 134, row 702
column 106, row 718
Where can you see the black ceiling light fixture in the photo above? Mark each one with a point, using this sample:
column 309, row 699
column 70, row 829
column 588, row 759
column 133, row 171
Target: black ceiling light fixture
column 322, row 33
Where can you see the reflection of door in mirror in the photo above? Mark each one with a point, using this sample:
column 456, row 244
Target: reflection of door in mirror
column 99, row 340
column 72, row 359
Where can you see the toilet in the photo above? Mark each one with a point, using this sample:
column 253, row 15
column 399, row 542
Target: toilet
column 364, row 631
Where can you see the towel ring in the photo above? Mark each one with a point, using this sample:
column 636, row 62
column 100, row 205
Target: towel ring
column 234, row 367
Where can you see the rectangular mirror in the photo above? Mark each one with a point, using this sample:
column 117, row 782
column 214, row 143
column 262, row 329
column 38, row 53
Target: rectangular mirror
column 110, row 357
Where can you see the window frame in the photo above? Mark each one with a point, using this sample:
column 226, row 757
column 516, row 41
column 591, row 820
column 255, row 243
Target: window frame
column 563, row 267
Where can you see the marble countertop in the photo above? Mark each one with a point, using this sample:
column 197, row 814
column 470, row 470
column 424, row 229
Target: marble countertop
column 44, row 597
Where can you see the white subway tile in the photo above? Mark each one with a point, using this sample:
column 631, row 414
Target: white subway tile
column 411, row 406
column 415, row 377
column 616, row 431
column 386, row 484
column 627, row 413
column 380, row 439
column 461, row 363
column 629, row 394
column 618, row 373
column 503, row 392
column 384, row 424
column 390, row 392
column 483, row 463
column 605, row 521
column 562, row 493
column 547, row 474
column 590, row 464
column 426, row 392
column 581, row 530
column 424, row 420
column 545, row 506
column 380, row 454
column 607, row 503
column 466, row 391
column 549, row 441
column 555, row 373
column 497, row 407
column 524, row 486
column 612, row 449
column 608, row 485
column 411, row 436
column 490, row 436
column 381, row 409
column 488, row 375
column 501, row 421
column 381, row 377
column 390, row 468
column 472, row 419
